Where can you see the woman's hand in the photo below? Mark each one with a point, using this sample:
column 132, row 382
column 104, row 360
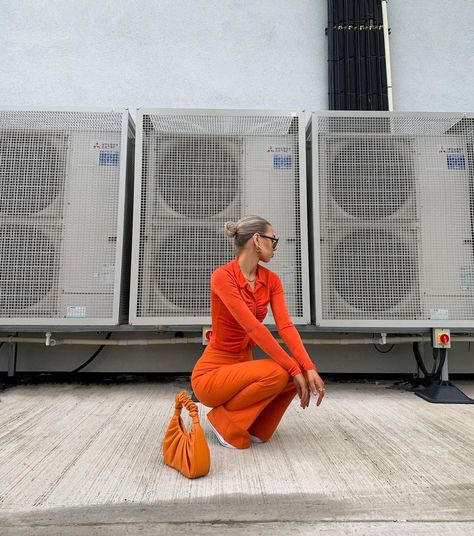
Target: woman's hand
column 302, row 389
column 316, row 385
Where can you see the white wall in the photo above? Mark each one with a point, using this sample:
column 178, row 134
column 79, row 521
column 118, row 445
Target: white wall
column 219, row 54
column 432, row 46
column 165, row 53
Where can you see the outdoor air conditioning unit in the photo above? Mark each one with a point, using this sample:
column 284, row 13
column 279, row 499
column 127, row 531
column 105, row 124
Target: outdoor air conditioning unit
column 392, row 219
column 64, row 217
column 195, row 170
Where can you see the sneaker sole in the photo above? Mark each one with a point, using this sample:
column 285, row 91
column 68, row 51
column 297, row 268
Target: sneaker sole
column 221, row 440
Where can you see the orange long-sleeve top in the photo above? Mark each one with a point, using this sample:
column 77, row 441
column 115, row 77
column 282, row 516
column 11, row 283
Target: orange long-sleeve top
column 238, row 311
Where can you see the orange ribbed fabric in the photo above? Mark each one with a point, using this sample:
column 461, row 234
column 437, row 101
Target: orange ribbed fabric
column 247, row 396
column 238, row 311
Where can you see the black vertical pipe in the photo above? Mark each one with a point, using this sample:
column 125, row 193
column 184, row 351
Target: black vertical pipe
column 379, row 52
column 347, row 81
column 340, row 64
column 329, row 34
column 356, row 55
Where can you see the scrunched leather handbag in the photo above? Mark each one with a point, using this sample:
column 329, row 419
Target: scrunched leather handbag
column 187, row 452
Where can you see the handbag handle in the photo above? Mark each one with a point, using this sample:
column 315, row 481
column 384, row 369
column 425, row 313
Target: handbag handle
column 183, row 399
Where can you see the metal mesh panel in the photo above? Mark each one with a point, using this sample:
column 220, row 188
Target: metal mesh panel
column 197, row 172
column 59, row 190
column 221, row 125
column 205, row 170
column 29, row 267
column 394, row 218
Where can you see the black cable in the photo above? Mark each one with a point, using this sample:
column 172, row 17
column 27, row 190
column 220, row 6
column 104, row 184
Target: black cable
column 419, row 359
column 436, row 355
column 434, row 375
column 93, row 356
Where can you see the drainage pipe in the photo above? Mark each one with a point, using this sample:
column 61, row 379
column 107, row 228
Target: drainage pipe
column 48, row 340
column 371, row 340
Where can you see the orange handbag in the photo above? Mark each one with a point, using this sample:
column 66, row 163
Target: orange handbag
column 185, row 451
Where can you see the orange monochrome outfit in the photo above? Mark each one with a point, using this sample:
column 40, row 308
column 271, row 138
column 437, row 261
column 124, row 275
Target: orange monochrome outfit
column 248, row 397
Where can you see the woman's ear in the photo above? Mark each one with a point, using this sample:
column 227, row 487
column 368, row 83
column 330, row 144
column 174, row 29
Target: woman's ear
column 256, row 241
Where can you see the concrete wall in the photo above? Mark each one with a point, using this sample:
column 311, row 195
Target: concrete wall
column 219, row 54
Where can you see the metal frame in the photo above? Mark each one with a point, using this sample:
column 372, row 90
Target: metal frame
column 205, row 320
column 114, row 320
column 316, row 294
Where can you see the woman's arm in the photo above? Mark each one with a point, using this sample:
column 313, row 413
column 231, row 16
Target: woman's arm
column 285, row 326
column 292, row 339
column 223, row 284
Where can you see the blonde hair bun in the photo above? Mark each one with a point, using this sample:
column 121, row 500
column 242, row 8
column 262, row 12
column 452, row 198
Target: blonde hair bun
column 230, row 228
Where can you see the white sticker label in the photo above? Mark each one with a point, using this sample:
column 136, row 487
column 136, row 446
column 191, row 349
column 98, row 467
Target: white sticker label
column 106, row 274
column 438, row 313
column 104, row 145
column 281, row 156
column 75, row 311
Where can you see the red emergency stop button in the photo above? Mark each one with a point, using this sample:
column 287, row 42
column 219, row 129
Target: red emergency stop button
column 208, row 334
column 444, row 338
column 441, row 338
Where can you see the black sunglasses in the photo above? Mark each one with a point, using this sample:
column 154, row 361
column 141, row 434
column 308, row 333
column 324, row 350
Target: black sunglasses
column 272, row 238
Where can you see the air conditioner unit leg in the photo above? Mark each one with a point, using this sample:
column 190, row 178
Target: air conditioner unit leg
column 444, row 370
column 443, row 391
column 12, row 360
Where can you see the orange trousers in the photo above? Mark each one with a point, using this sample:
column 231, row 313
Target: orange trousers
column 247, row 396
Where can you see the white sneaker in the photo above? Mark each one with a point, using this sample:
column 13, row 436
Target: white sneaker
column 221, row 440
column 256, row 439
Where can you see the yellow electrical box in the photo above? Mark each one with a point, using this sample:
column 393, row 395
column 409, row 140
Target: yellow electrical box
column 206, row 335
column 442, row 338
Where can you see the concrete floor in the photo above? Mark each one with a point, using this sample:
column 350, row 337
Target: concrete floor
column 78, row 459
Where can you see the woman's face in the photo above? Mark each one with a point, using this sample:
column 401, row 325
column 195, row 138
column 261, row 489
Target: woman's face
column 267, row 244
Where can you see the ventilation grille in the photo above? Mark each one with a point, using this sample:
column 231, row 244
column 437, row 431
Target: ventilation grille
column 32, row 170
column 197, row 176
column 395, row 220
column 179, row 265
column 372, row 177
column 29, row 267
column 199, row 171
column 373, row 272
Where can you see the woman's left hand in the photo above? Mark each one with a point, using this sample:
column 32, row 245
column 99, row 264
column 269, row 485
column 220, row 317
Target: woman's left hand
column 315, row 384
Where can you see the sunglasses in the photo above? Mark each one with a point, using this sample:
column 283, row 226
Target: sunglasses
column 272, row 238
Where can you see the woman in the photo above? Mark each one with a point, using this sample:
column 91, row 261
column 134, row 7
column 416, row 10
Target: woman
column 250, row 397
